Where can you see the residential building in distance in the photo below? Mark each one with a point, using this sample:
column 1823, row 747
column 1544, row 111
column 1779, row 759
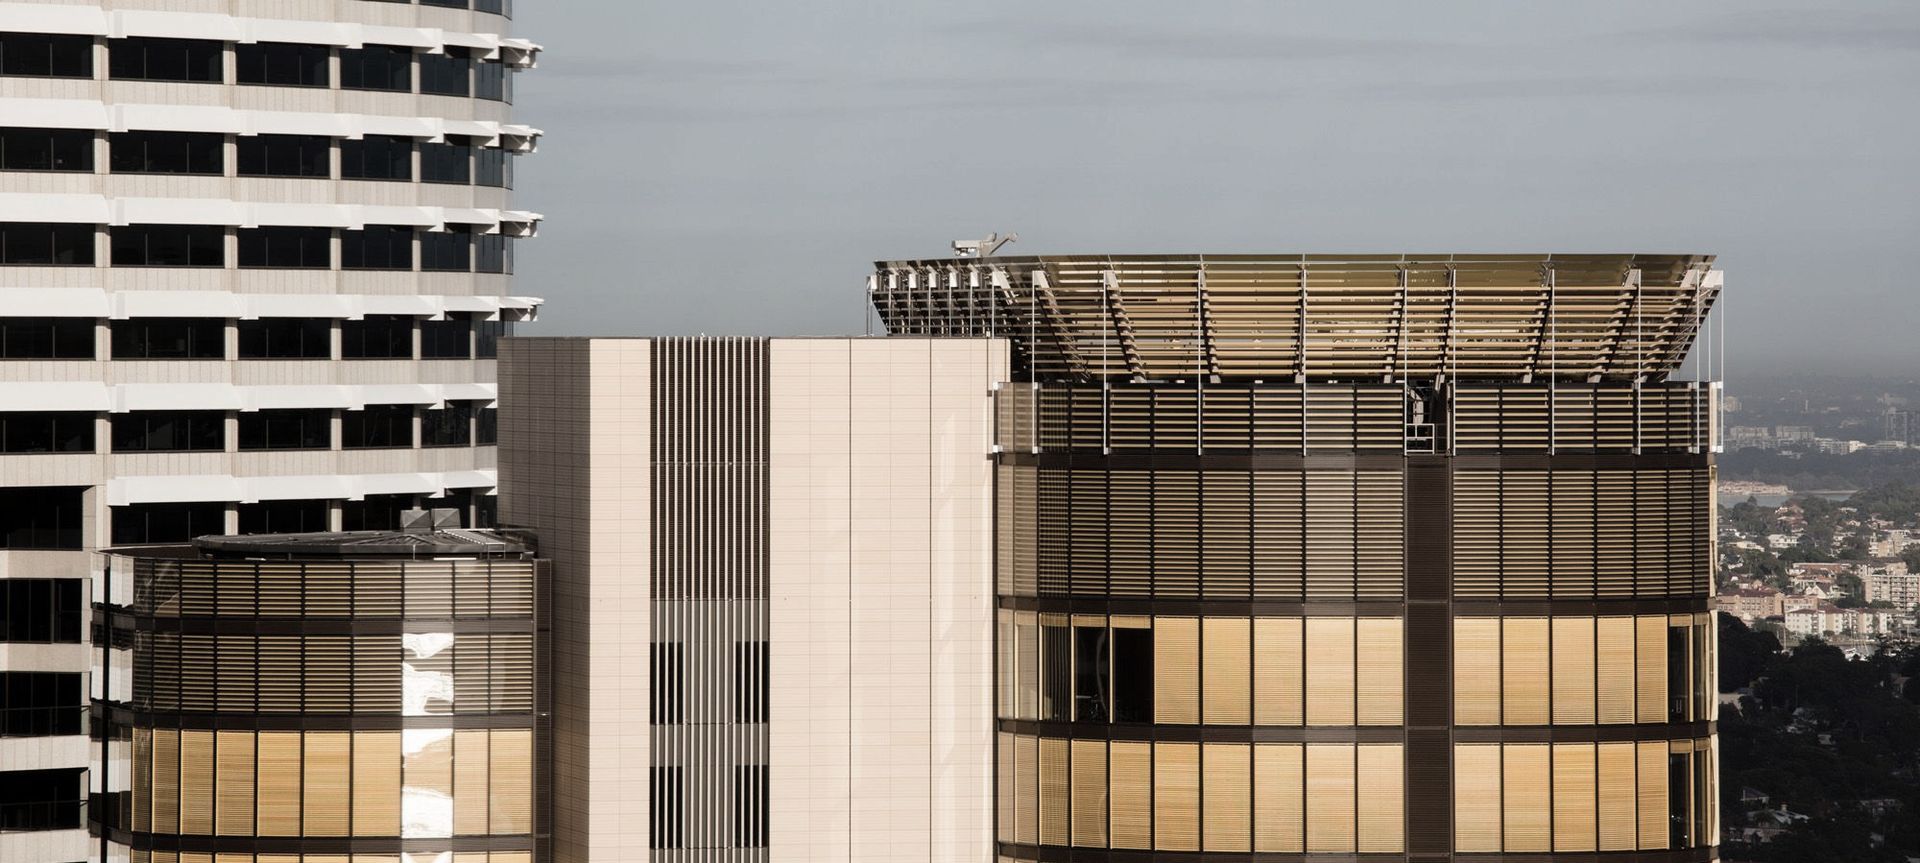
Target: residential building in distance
column 1109, row 557
column 257, row 258
column 1829, row 620
column 1892, row 583
column 282, row 697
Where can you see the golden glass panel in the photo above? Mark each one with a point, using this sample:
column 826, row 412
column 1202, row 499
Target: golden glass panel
column 1616, row 797
column 278, row 797
column 1008, row 676
column 1226, row 645
column 1227, row 796
column 1575, row 783
column 511, row 857
column 196, row 783
column 1378, row 678
column 1053, row 791
column 1652, row 797
column 1382, row 798
column 1330, row 796
column 1650, row 660
column 1279, row 671
column 1026, row 629
column 166, row 781
column 1330, row 671
column 1525, row 692
column 1279, row 802
column 510, row 782
column 1176, row 796
column 143, row 780
column 470, row 783
column 1026, row 785
column 233, row 794
column 1089, row 809
column 1614, row 670
column 376, row 783
column 1573, row 671
column 1176, row 670
column 327, row 771
column 426, row 792
column 166, row 857
column 1526, row 792
column 1132, row 767
column 1476, row 671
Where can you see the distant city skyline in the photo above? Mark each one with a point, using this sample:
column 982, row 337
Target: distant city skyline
column 733, row 167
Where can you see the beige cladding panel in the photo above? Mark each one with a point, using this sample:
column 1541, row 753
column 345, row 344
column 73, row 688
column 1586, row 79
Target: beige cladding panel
column 880, row 744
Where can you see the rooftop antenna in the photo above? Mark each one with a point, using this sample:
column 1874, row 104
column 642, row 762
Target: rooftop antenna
column 982, row 248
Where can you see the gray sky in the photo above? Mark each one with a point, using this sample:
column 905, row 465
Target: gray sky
column 723, row 166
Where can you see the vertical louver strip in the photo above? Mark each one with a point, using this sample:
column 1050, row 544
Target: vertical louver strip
column 1227, row 670
column 1279, row 669
column 1227, row 789
column 1381, row 787
column 1176, row 796
column 1176, row 670
column 1089, row 802
column 1279, row 798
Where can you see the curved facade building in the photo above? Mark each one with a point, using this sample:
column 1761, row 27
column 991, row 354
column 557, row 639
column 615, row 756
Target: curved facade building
column 324, row 697
column 1304, row 557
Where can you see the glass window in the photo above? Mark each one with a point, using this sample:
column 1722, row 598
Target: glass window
column 446, row 340
column 43, row 55
column 43, row 517
column 170, row 339
column 284, row 156
column 448, row 426
column 39, row 704
column 377, row 67
column 286, row 248
column 376, row 157
column 446, row 74
column 377, row 427
column 46, row 150
column 1092, row 673
column 446, row 163
column 169, row 431
column 1056, row 671
column 487, row 335
column 46, row 244
column 284, row 516
column 1132, row 675
column 40, row 610
column 491, row 253
column 450, row 4
column 281, row 64
column 30, row 432
column 490, row 80
column 377, row 337
column 497, row 7
column 286, row 429
column 668, row 678
column 169, row 246
column 377, row 247
column 286, row 339
column 46, row 338
column 167, row 153
column 147, row 59
column 446, row 251
column 486, row 427
column 493, row 167
column 375, row 512
column 146, row 523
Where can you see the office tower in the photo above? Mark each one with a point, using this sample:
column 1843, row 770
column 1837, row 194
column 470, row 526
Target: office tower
column 256, row 260
column 300, row 697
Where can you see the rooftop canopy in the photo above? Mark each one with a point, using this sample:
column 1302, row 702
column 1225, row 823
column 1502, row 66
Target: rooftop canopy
column 1305, row 318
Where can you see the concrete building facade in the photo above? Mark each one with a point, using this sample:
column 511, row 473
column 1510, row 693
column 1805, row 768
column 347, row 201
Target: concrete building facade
column 254, row 260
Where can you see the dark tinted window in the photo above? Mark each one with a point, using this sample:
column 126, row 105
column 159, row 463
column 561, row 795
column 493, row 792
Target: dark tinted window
column 490, row 80
column 290, row 429
column 286, row 248
column 451, row 4
column 448, row 426
column 169, row 246
column 376, row 512
column 39, row 704
column 377, row 337
column 170, row 339
column 497, row 7
column 166, row 153
column 42, row 799
column 446, row 251
column 284, row 156
column 446, row 163
column 450, row 339
column 492, row 253
column 46, row 245
column 486, row 337
column 46, row 149
column 377, row 426
column 377, row 157
column 377, row 67
column 668, row 678
column 493, row 167
column 1092, row 673
column 377, row 247
column 281, row 64
column 169, row 431
column 46, row 517
column 283, row 516
column 752, row 821
column 486, row 426
column 42, row 55
column 46, row 338
column 446, row 74
column 751, row 681
column 1132, row 675
column 146, row 59
column 40, row 610
column 144, row 523
column 46, row 432
column 286, row 339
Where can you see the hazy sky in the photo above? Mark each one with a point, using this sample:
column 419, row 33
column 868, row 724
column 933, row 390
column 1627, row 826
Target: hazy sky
column 723, row 166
